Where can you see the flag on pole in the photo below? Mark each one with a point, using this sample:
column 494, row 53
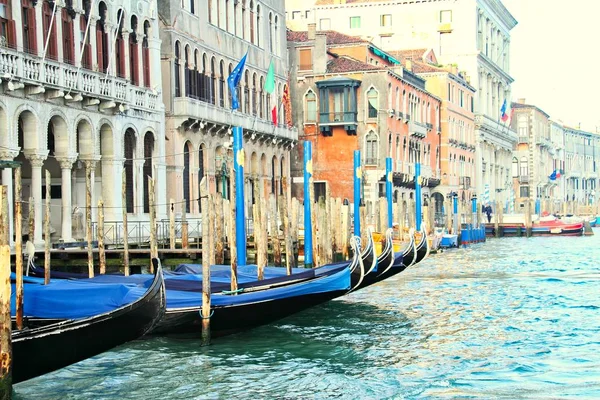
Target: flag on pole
column 287, row 104
column 503, row 113
column 558, row 174
column 270, row 89
column 553, row 176
column 234, row 79
column 270, row 81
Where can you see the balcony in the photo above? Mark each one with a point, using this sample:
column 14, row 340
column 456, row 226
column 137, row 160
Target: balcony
column 186, row 108
column 523, row 139
column 544, row 142
column 392, row 113
column 400, row 115
column 417, row 129
column 406, row 117
column 429, row 126
column 524, row 179
column 347, row 119
column 495, row 132
column 62, row 79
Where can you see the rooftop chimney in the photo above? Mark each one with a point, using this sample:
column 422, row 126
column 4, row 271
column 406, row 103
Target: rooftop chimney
column 521, row 101
column 312, row 29
column 320, row 53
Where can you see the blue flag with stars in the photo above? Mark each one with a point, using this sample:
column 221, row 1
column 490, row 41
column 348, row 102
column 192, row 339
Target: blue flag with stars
column 234, row 79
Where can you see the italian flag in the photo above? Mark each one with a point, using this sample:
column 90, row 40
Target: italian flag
column 270, row 88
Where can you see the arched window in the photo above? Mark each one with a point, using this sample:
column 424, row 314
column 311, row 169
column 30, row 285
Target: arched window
column 246, row 93
column 258, row 26
column 390, row 97
column 311, row 106
column 398, row 109
column 252, row 22
column 177, row 70
column 196, row 77
column 205, row 89
column 201, row 173
column 222, row 84
column 186, row 71
column 134, row 70
column 146, row 55
column 49, row 31
column 148, row 171
column 372, row 103
column 254, row 102
column 187, row 172
column 120, row 46
column 102, row 39
column 371, row 148
column 129, row 153
column 273, row 173
column 281, row 174
column 213, row 81
column 68, row 41
column 29, row 27
column 244, row 23
column 261, row 105
column 524, row 166
column 86, row 61
column 271, row 33
column 276, row 35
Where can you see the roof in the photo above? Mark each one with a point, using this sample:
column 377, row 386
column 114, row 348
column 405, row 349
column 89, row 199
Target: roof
column 333, row 37
column 523, row 106
column 348, row 64
column 333, row 2
column 413, row 54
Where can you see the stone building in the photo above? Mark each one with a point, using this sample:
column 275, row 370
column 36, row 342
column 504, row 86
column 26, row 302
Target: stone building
column 457, row 141
column 582, row 162
column 202, row 41
column 350, row 95
column 473, row 34
column 81, row 89
column 534, row 154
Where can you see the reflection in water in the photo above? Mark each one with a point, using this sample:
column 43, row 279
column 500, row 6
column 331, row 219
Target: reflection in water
column 511, row 318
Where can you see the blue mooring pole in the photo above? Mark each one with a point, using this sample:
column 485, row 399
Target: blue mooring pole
column 474, row 210
column 240, row 208
column 389, row 189
column 418, row 196
column 455, row 212
column 357, row 178
column 308, row 245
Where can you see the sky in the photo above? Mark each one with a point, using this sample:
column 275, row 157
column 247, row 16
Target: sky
column 555, row 60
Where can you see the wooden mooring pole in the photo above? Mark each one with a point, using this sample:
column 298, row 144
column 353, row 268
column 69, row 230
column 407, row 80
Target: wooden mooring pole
column 185, row 237
column 100, row 236
column 88, row 217
column 152, row 204
column 5, row 289
column 275, row 231
column 289, row 246
column 19, row 248
column 125, row 229
column 47, row 231
column 219, row 229
column 172, row 223
column 204, row 201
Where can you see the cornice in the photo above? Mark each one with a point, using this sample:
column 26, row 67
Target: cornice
column 485, row 61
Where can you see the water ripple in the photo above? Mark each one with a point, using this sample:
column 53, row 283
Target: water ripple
column 508, row 319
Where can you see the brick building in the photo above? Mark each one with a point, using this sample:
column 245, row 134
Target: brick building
column 348, row 94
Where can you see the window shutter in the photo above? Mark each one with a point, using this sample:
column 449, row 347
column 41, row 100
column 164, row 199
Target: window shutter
column 99, row 47
column 12, row 34
column 32, row 29
column 146, row 66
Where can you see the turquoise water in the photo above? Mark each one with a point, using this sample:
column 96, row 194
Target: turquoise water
column 511, row 318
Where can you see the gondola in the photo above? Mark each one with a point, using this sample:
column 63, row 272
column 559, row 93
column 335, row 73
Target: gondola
column 422, row 245
column 260, row 302
column 52, row 343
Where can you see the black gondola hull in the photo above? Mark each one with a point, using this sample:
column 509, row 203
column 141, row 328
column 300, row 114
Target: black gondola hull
column 54, row 346
column 232, row 319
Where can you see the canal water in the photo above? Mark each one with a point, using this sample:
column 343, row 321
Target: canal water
column 511, row 318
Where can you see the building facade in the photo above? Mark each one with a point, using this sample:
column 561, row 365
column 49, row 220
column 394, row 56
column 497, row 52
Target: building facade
column 457, row 141
column 557, row 136
column 80, row 91
column 350, row 95
column 474, row 34
column 535, row 156
column 582, row 155
column 202, row 42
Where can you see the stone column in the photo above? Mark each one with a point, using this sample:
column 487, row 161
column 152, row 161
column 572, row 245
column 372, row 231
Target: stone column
column 7, row 176
column 37, row 160
column 65, row 169
column 59, row 32
column 154, row 58
column 139, row 49
column 93, row 43
column 109, row 29
column 125, row 33
column 39, row 38
column 112, row 172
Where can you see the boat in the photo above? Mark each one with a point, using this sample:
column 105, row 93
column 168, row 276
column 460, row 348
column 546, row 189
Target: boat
column 547, row 225
column 261, row 302
column 65, row 337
